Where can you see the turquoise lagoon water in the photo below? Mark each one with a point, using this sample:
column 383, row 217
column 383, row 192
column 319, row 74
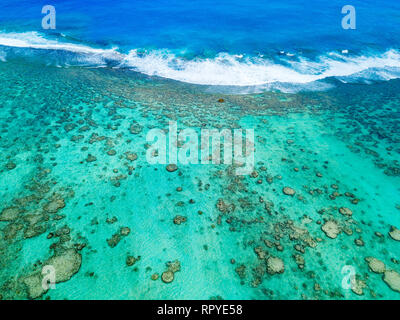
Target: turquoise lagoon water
column 339, row 133
column 77, row 192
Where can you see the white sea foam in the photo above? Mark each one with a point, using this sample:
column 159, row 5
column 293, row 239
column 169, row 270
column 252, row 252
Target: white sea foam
column 34, row 40
column 224, row 69
column 228, row 70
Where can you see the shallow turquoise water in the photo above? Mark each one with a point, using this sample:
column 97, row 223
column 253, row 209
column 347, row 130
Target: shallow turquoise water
column 350, row 135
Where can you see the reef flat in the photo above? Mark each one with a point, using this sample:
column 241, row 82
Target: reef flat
column 77, row 192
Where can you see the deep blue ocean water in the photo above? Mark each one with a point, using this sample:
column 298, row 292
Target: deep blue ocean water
column 216, row 42
column 203, row 27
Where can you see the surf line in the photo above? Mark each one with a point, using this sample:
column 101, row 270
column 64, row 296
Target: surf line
column 185, row 311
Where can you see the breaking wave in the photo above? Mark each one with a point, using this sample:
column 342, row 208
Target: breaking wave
column 221, row 70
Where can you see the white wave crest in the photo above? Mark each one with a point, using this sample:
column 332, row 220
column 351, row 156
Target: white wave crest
column 34, row 40
column 224, row 69
column 228, row 70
